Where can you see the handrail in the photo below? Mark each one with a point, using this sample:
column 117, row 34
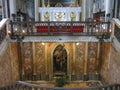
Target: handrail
column 3, row 29
column 116, row 28
column 116, row 21
column 24, row 85
column 116, row 34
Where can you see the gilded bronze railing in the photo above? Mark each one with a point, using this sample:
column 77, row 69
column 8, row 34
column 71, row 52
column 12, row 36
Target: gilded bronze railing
column 63, row 28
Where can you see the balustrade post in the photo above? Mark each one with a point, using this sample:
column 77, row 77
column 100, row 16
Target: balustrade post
column 110, row 88
column 108, row 27
column 117, row 87
column 92, row 27
column 48, row 27
column 28, row 32
column 12, row 87
column 104, row 88
column 11, row 28
column 35, row 88
column 86, row 77
column 30, row 88
column 2, row 88
column 19, row 59
column 24, row 88
column 71, row 27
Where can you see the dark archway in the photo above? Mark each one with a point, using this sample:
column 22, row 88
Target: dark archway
column 60, row 61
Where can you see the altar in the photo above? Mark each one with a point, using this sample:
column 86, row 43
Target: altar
column 60, row 13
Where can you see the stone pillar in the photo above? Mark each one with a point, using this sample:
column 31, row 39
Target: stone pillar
column 90, row 7
column 83, row 10
column 85, row 63
column 37, row 5
column 34, row 60
column 30, row 9
column 12, row 4
column 6, row 11
column 77, row 3
column 108, row 8
column 116, row 5
column 43, row 3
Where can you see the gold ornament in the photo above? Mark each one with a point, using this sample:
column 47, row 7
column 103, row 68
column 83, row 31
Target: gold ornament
column 73, row 16
column 60, row 15
column 46, row 15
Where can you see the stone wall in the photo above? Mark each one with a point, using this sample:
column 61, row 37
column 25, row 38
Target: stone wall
column 111, row 66
column 5, row 65
column 14, row 61
column 8, row 63
column 37, row 59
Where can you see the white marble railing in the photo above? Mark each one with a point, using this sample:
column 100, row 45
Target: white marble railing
column 115, row 41
column 3, row 33
column 62, row 39
column 3, row 22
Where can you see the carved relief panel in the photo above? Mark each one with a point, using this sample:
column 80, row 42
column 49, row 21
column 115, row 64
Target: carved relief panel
column 92, row 57
column 5, row 68
column 27, row 58
column 80, row 57
column 14, row 60
column 39, row 58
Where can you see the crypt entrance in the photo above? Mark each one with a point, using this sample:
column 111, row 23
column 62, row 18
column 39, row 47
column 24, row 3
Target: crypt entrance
column 60, row 61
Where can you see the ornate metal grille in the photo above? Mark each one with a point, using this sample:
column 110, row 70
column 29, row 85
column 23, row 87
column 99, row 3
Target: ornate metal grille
column 2, row 34
column 117, row 33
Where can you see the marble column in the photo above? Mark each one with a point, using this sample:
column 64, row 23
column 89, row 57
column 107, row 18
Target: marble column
column 6, row 11
column 37, row 5
column 31, row 9
column 86, row 57
column 83, row 10
column 90, row 7
column 43, row 3
column 106, row 9
column 12, row 4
